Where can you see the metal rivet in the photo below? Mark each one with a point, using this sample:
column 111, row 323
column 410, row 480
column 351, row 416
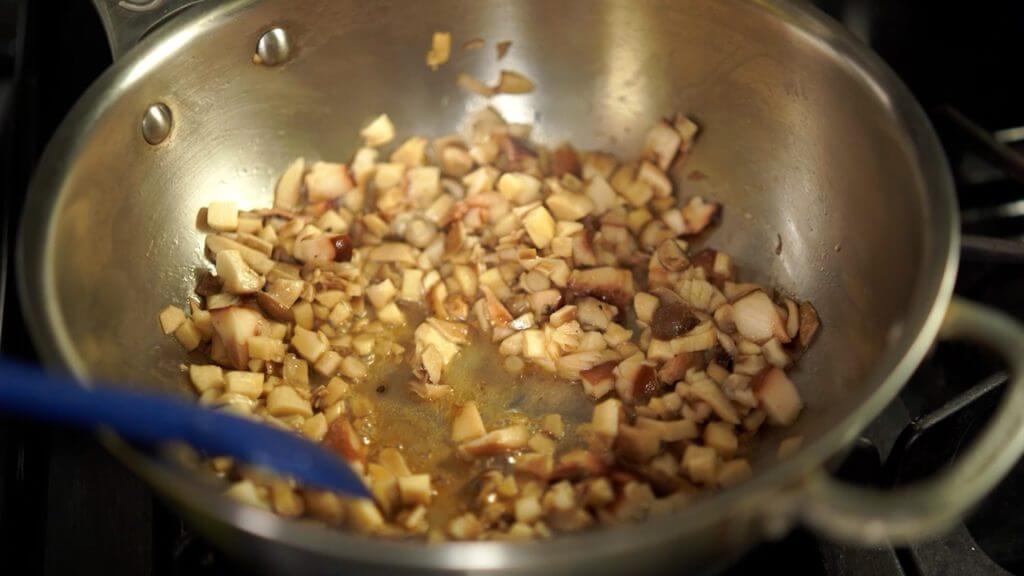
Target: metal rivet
column 156, row 123
column 274, row 47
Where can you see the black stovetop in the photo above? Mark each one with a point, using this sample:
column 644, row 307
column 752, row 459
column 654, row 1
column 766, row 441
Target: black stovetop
column 66, row 507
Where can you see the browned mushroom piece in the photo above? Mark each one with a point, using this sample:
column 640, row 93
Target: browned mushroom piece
column 673, row 319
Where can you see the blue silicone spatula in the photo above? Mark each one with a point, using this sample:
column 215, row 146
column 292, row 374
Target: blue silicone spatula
column 153, row 420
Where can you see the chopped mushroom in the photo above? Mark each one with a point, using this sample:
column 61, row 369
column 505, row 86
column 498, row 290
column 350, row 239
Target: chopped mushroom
column 777, row 396
column 440, row 50
column 378, row 132
column 757, row 319
column 496, row 442
column 398, row 287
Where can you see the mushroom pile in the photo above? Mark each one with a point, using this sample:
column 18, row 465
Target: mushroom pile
column 387, row 272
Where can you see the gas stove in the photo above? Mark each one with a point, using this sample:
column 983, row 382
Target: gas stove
column 67, row 507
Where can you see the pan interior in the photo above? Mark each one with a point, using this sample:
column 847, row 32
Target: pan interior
column 802, row 147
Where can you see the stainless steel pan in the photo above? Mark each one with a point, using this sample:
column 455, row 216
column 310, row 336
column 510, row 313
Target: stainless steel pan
column 808, row 138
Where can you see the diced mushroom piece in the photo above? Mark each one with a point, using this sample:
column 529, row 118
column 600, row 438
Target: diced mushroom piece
column 709, row 392
column 671, row 320
column 774, row 354
column 757, row 319
column 637, row 445
column 455, row 161
column 342, row 439
column 245, row 492
column 234, row 326
column 605, row 420
column 237, row 276
column 698, row 215
column 328, row 181
column 279, row 296
column 702, row 337
column 701, row 464
column 428, row 391
column 777, row 396
column 496, row 311
column 222, row 216
column 308, row 344
column 424, row 184
column 286, row 194
column 317, row 249
column 206, row 377
column 496, row 442
column 393, row 252
column 552, row 425
column 520, row 188
column 687, row 130
column 465, row 527
column 540, row 226
column 733, row 472
column 527, row 509
column 809, row 324
column 378, row 132
column 295, row 371
column 599, row 380
column 614, row 285
column 364, row 516
column 635, row 379
column 245, row 383
column 675, row 369
column 569, row 206
column 440, row 50
column 254, row 258
column 415, row 489
column 579, row 464
column 700, row 295
column 662, row 144
column 171, row 318
column 188, row 335
column 286, row 401
column 467, row 424
column 511, row 82
column 656, row 180
column 720, row 436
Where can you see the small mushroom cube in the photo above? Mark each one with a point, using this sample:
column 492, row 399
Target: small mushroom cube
column 206, row 377
column 378, row 132
column 308, row 344
column 662, row 144
column 222, row 216
column 237, row 276
column 605, row 420
column 171, row 318
column 245, row 383
column 540, row 226
column 720, row 436
column 496, row 442
column 467, row 423
column 777, row 396
column 700, row 463
column 415, row 489
column 286, row 401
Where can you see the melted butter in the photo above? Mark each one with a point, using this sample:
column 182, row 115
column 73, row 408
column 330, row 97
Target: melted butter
column 421, row 429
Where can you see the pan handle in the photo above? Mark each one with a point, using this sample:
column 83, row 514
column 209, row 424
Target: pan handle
column 126, row 22
column 933, row 506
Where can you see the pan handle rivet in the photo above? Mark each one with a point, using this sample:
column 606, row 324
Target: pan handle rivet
column 156, row 123
column 274, row 48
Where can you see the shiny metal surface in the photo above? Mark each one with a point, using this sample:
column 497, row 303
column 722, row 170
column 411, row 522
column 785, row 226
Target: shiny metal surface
column 807, row 137
column 274, row 48
column 127, row 21
column 157, row 123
